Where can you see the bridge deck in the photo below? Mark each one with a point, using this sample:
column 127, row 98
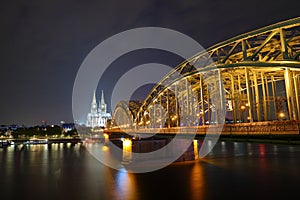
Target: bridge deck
column 256, row 128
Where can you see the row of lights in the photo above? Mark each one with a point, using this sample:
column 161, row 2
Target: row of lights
column 243, row 107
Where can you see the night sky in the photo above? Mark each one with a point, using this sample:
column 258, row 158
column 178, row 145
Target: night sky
column 44, row 42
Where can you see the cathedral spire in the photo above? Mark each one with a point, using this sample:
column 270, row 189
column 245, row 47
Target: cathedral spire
column 102, row 97
column 94, row 104
column 102, row 104
column 94, row 97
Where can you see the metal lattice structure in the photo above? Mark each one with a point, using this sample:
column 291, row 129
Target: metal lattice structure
column 254, row 76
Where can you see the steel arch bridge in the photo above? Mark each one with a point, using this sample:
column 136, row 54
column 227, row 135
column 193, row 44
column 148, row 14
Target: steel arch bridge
column 255, row 77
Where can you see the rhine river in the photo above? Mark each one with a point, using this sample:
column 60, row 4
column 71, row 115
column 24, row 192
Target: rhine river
column 233, row 170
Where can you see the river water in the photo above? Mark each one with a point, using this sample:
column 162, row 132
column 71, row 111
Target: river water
column 232, row 170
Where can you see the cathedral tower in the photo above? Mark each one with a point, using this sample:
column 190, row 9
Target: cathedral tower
column 98, row 115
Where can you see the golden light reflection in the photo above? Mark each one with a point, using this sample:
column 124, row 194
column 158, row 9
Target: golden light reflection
column 106, row 138
column 197, row 181
column 127, row 150
column 125, row 185
column 196, row 151
column 105, row 148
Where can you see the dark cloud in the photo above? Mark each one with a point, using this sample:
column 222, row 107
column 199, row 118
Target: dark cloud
column 43, row 42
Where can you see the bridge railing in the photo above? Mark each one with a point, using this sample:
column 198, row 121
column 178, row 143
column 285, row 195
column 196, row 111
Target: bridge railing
column 255, row 128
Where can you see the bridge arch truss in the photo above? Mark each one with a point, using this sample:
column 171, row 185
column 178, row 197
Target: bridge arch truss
column 260, row 76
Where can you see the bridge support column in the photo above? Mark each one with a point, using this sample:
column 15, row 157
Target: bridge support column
column 220, row 111
column 256, row 97
column 248, row 94
column 187, row 118
column 193, row 112
column 295, row 77
column 154, row 116
column 160, row 112
column 274, row 95
column 176, row 105
column 264, row 97
column 151, row 116
column 240, row 96
column 168, row 110
column 202, row 99
column 268, row 99
column 208, row 106
column 233, row 99
column 289, row 93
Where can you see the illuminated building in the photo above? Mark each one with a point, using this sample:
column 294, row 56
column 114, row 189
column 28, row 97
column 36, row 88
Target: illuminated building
column 98, row 114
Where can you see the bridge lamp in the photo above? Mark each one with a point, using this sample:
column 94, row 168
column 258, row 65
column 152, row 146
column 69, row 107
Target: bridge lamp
column 281, row 115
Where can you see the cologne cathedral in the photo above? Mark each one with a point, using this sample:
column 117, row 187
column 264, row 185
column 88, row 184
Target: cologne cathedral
column 98, row 114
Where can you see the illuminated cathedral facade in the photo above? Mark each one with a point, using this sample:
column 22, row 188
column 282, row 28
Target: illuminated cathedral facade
column 98, row 114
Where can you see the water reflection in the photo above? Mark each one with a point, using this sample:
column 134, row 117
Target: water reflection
column 262, row 150
column 249, row 149
column 68, row 171
column 127, row 150
column 197, row 181
column 196, row 150
column 125, row 185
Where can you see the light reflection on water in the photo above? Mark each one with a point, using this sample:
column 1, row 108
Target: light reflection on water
column 232, row 169
column 125, row 185
column 198, row 182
